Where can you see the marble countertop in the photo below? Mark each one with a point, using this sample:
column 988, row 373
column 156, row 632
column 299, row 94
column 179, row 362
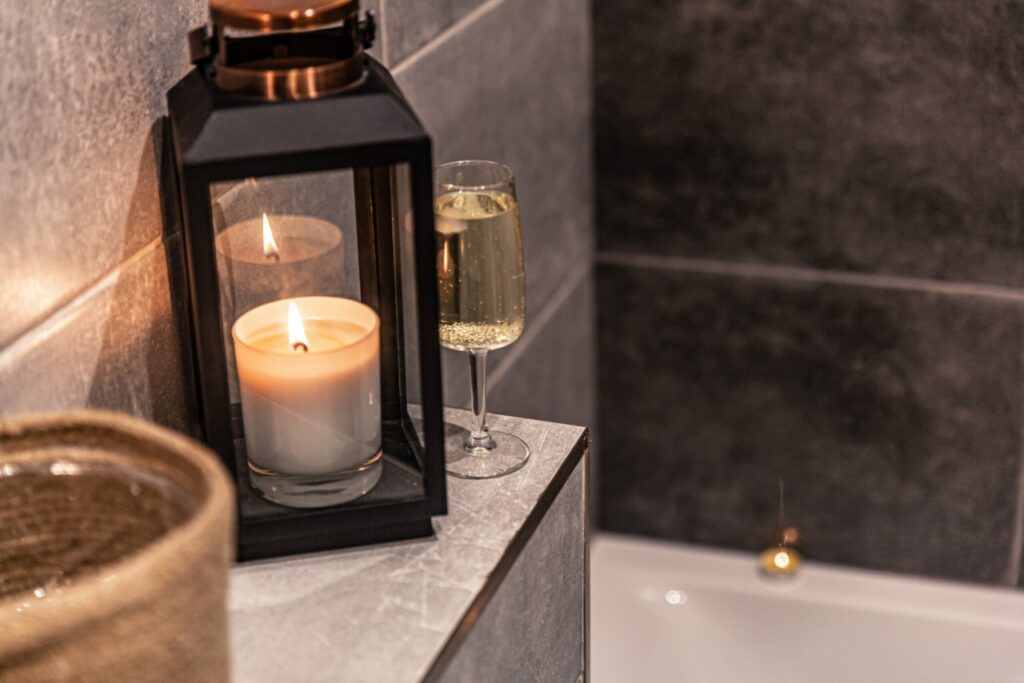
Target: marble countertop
column 388, row 613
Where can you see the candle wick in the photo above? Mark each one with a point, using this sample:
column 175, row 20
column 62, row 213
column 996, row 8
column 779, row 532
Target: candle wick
column 275, row 256
column 300, row 346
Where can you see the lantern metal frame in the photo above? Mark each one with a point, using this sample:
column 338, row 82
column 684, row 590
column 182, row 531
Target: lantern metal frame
column 370, row 129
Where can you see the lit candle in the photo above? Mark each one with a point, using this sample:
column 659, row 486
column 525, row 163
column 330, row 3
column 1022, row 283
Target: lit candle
column 268, row 258
column 309, row 378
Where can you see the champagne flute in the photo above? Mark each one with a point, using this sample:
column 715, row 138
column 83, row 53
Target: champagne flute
column 482, row 297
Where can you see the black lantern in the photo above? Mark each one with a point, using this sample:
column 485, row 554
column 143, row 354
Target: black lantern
column 305, row 186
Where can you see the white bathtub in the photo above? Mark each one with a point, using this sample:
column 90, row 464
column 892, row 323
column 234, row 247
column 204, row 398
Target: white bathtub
column 662, row 612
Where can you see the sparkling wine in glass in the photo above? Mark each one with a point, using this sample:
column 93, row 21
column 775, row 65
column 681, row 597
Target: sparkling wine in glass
column 482, row 291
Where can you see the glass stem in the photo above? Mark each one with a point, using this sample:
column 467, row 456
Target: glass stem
column 480, row 437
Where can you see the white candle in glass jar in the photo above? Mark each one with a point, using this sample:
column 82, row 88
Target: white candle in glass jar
column 310, row 394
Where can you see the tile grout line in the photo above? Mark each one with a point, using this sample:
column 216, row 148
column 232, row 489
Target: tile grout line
column 808, row 275
column 545, row 316
column 36, row 334
column 443, row 36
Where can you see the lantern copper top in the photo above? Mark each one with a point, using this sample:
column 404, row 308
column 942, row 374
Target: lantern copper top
column 280, row 15
column 284, row 49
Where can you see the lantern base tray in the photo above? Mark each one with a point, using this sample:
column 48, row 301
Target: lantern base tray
column 317, row 491
column 395, row 509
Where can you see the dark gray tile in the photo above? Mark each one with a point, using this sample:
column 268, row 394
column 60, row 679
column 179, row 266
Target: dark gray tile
column 549, row 374
column 455, row 368
column 412, row 23
column 80, row 90
column 892, row 416
column 533, row 628
column 871, row 136
column 552, row 377
column 119, row 348
column 513, row 85
column 1019, row 532
column 1020, row 578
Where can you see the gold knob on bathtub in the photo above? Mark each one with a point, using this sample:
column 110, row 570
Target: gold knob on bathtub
column 780, row 560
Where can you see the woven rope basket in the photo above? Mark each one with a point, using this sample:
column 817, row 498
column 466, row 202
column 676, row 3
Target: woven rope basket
column 115, row 541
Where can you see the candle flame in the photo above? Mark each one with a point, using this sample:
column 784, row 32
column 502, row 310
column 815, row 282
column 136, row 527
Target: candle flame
column 297, row 338
column 270, row 250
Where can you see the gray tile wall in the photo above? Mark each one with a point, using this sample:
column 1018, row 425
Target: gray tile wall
column 513, row 84
column 811, row 267
column 88, row 314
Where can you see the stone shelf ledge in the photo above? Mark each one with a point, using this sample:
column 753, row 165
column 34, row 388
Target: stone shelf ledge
column 499, row 593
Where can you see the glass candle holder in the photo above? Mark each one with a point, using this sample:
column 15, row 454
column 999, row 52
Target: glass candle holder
column 309, row 379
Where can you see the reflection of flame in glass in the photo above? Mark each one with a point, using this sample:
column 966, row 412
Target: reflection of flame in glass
column 270, row 250
column 446, row 268
column 297, row 338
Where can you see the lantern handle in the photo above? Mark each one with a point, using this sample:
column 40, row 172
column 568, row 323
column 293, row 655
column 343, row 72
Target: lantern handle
column 368, row 29
column 200, row 45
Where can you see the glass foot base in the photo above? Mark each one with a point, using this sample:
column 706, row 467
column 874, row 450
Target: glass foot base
column 319, row 490
column 508, row 455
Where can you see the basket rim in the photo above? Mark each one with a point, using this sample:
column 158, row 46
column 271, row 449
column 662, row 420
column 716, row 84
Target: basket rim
column 130, row 581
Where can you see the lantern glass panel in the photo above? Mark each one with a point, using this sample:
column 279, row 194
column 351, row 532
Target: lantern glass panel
column 406, row 252
column 330, row 402
column 282, row 237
